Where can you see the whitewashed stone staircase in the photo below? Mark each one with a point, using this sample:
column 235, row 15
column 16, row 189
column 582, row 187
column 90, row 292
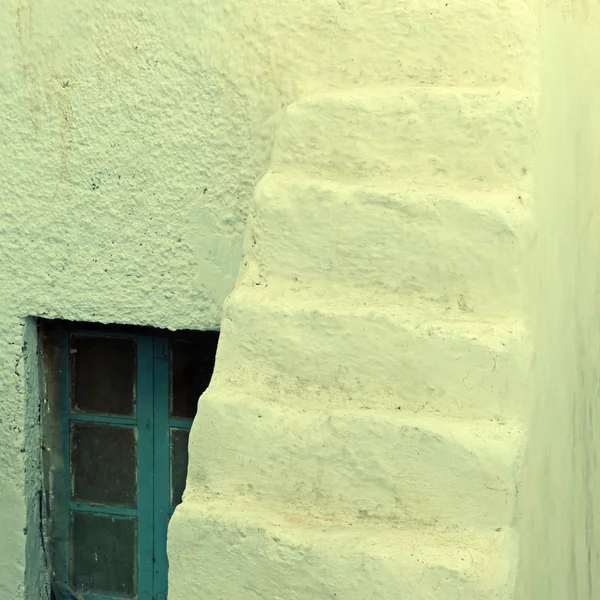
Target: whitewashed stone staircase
column 362, row 434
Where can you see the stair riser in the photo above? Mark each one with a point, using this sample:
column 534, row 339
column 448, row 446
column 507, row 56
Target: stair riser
column 321, row 43
column 373, row 358
column 361, row 466
column 389, row 245
column 227, row 558
column 437, row 137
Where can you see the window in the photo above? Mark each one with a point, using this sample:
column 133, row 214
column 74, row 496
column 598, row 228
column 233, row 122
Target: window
column 117, row 416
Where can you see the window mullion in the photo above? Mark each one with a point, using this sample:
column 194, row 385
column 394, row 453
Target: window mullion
column 145, row 475
column 161, row 464
column 63, row 525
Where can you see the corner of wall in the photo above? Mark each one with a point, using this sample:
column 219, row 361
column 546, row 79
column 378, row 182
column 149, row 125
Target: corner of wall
column 36, row 573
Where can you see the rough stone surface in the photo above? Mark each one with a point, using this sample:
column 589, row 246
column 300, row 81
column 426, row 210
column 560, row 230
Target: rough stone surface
column 374, row 242
column 263, row 555
column 133, row 136
column 369, row 396
column 126, row 174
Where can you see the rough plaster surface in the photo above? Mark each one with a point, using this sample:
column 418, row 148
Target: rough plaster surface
column 387, row 250
column 317, row 45
column 126, row 175
column 132, row 140
column 480, row 368
column 259, row 555
column 366, row 420
column 385, row 134
column 345, row 465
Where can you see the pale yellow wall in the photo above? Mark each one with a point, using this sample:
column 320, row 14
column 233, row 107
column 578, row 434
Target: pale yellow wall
column 126, row 168
column 116, row 117
column 362, row 434
column 561, row 492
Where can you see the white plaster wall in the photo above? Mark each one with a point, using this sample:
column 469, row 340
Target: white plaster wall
column 344, row 449
column 126, row 171
column 560, row 509
column 131, row 140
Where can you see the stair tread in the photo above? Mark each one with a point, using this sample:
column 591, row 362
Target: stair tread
column 318, row 559
column 387, row 93
column 341, row 301
column 254, row 554
column 486, row 435
column 338, row 463
column 475, row 138
column 400, row 355
column 393, row 245
column 421, row 561
column 406, row 538
column 511, row 205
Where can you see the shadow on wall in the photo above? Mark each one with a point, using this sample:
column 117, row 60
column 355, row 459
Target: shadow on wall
column 561, row 494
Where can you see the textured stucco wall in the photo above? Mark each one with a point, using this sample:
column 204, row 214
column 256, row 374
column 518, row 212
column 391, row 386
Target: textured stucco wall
column 131, row 139
column 561, row 522
column 126, row 172
column 362, row 434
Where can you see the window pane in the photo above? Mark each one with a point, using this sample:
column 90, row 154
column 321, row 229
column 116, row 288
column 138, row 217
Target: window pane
column 103, row 375
column 179, row 464
column 103, row 464
column 103, row 554
column 192, row 365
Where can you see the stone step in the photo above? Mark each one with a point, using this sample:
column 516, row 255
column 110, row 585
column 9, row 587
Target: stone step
column 459, row 137
column 235, row 550
column 375, row 465
column 471, row 42
column 317, row 351
column 461, row 249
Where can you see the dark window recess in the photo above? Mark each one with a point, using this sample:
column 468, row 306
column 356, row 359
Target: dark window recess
column 103, row 375
column 192, row 365
column 179, row 463
column 120, row 407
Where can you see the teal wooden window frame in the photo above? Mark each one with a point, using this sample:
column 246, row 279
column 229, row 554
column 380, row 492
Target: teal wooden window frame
column 154, row 425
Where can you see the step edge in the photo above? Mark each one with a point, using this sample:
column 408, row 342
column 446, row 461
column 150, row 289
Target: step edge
column 244, row 509
column 290, row 301
column 459, row 429
column 383, row 91
column 511, row 206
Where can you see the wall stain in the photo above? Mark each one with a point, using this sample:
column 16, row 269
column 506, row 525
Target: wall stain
column 65, row 109
column 572, row 9
column 581, row 8
column 24, row 29
column 46, row 91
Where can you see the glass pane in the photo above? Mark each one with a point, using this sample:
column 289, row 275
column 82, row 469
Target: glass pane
column 179, row 463
column 192, row 366
column 103, row 554
column 103, row 375
column 103, row 464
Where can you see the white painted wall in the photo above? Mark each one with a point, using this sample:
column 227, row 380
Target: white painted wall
column 560, row 508
column 126, row 172
column 362, row 435
column 132, row 139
